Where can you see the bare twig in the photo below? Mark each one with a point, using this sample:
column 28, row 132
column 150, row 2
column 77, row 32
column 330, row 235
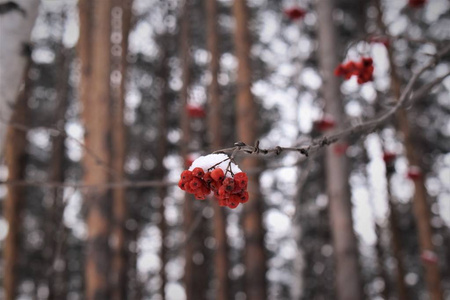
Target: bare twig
column 359, row 129
column 53, row 131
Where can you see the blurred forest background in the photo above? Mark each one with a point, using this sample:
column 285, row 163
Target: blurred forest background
column 119, row 96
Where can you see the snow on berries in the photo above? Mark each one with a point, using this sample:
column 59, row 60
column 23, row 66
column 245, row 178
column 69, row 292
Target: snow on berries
column 218, row 174
column 363, row 69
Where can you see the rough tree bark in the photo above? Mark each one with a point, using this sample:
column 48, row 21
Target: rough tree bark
column 221, row 267
column 121, row 23
column 15, row 28
column 420, row 203
column 247, row 131
column 15, row 155
column 348, row 278
column 94, row 51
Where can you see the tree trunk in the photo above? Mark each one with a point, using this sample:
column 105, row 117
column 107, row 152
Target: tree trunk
column 56, row 282
column 15, row 31
column 119, row 252
column 348, row 278
column 247, row 131
column 94, row 47
column 188, row 213
column 15, row 155
column 402, row 291
column 420, row 205
column 221, row 267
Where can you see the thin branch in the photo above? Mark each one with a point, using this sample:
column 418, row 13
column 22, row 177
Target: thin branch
column 57, row 132
column 359, row 129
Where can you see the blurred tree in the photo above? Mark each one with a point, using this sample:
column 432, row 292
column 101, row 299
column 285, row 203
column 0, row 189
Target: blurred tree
column 122, row 14
column 247, row 131
column 221, row 265
column 15, row 153
column 420, row 202
column 348, row 276
column 94, row 89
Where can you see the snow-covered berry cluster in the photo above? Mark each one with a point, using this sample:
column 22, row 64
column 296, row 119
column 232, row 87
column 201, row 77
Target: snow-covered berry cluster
column 363, row 69
column 218, row 174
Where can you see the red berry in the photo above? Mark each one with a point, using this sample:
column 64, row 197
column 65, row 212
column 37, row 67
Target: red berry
column 223, row 193
column 207, row 178
column 232, row 203
column 217, row 174
column 186, row 175
column 195, row 183
column 198, row 172
column 241, row 180
column 244, row 197
column 229, row 184
column 181, row 184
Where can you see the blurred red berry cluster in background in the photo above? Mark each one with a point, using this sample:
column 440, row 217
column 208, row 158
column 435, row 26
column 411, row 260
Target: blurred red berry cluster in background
column 295, row 13
column 195, row 111
column 363, row 69
column 417, row 3
column 229, row 191
column 324, row 124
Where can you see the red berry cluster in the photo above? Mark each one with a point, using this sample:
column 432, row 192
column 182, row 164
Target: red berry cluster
column 324, row 124
column 363, row 69
column 195, row 111
column 417, row 3
column 295, row 13
column 228, row 191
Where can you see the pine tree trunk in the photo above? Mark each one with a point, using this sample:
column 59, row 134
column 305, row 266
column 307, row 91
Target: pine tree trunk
column 15, row 31
column 221, row 267
column 247, row 131
column 420, row 205
column 119, row 255
column 15, row 156
column 348, row 278
column 94, row 47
